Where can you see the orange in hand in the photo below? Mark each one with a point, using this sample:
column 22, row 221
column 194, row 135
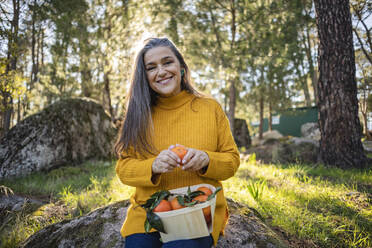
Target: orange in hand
column 163, row 206
column 207, row 210
column 180, row 150
column 206, row 190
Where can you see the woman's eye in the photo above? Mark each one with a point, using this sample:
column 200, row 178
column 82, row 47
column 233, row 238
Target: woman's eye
column 150, row 68
column 168, row 62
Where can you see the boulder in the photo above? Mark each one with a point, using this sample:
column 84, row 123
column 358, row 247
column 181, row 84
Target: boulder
column 310, row 130
column 367, row 145
column 270, row 136
column 296, row 150
column 101, row 227
column 274, row 134
column 241, row 133
column 67, row 132
column 299, row 141
column 11, row 204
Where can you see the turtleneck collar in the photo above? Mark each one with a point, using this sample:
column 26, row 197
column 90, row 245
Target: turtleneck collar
column 174, row 102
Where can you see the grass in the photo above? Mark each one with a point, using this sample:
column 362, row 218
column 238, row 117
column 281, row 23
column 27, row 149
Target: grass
column 312, row 205
column 328, row 206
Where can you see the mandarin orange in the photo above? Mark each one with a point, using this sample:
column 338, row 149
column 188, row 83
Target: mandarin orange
column 205, row 189
column 175, row 204
column 180, row 150
column 206, row 211
column 163, row 206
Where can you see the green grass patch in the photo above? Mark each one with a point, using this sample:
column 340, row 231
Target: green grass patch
column 329, row 206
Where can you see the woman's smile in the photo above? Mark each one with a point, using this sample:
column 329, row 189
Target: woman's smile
column 164, row 81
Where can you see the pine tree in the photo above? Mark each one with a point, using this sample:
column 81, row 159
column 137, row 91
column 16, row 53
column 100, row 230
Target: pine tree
column 340, row 128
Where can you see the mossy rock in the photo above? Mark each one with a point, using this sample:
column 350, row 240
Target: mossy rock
column 101, row 227
column 290, row 152
column 67, row 132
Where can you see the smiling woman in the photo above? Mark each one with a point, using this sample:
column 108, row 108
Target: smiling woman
column 163, row 71
column 164, row 110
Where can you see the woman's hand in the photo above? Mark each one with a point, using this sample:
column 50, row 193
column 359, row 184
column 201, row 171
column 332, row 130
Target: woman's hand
column 165, row 162
column 195, row 160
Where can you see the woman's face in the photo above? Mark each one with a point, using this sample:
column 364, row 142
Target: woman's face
column 163, row 71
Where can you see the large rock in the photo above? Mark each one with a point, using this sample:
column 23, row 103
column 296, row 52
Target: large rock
column 367, row 145
column 296, row 150
column 100, row 228
column 11, row 204
column 268, row 136
column 241, row 133
column 66, row 132
column 310, row 130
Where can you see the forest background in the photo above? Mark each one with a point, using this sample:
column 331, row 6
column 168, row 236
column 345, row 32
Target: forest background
column 255, row 57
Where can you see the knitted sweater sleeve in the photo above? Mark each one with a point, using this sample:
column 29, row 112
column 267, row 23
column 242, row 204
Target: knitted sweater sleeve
column 225, row 161
column 135, row 172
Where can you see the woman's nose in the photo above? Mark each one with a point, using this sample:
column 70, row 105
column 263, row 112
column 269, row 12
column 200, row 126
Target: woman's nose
column 161, row 71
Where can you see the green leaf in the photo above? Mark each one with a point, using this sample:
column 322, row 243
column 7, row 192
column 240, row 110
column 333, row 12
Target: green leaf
column 147, row 226
column 180, row 200
column 164, row 194
column 155, row 221
column 190, row 204
column 188, row 191
column 148, row 203
column 214, row 193
column 187, row 198
column 158, row 194
column 194, row 194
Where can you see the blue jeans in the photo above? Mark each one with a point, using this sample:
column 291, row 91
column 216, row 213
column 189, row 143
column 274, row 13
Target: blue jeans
column 152, row 240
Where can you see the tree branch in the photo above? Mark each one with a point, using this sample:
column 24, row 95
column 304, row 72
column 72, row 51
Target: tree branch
column 223, row 6
column 361, row 45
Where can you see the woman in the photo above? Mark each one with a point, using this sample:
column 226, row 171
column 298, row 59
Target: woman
column 164, row 110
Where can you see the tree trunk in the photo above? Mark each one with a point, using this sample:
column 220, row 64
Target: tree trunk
column 86, row 75
column 308, row 48
column 107, row 96
column 10, row 66
column 260, row 129
column 232, row 103
column 33, row 47
column 270, row 117
column 339, row 124
column 42, row 46
column 19, row 105
column 365, row 122
column 303, row 82
column 363, row 107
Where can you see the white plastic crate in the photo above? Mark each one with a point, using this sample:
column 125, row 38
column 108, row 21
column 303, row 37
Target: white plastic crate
column 189, row 222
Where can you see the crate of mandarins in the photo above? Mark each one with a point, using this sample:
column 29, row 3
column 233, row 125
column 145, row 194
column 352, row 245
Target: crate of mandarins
column 182, row 213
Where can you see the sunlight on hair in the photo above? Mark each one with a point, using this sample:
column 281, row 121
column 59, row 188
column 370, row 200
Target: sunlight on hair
column 146, row 34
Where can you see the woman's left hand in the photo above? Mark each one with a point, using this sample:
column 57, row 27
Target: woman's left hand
column 195, row 160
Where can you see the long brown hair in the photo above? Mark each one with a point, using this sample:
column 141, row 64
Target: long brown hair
column 136, row 131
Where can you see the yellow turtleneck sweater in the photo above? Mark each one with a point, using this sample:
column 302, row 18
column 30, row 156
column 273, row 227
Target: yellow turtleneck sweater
column 195, row 122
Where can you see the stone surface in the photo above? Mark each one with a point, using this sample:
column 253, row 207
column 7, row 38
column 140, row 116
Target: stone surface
column 295, row 151
column 299, row 141
column 310, row 130
column 101, row 227
column 67, row 132
column 10, row 204
column 367, row 145
column 274, row 134
column 241, row 133
column 269, row 136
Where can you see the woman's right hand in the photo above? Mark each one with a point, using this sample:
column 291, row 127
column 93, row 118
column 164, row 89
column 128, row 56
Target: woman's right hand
column 165, row 162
